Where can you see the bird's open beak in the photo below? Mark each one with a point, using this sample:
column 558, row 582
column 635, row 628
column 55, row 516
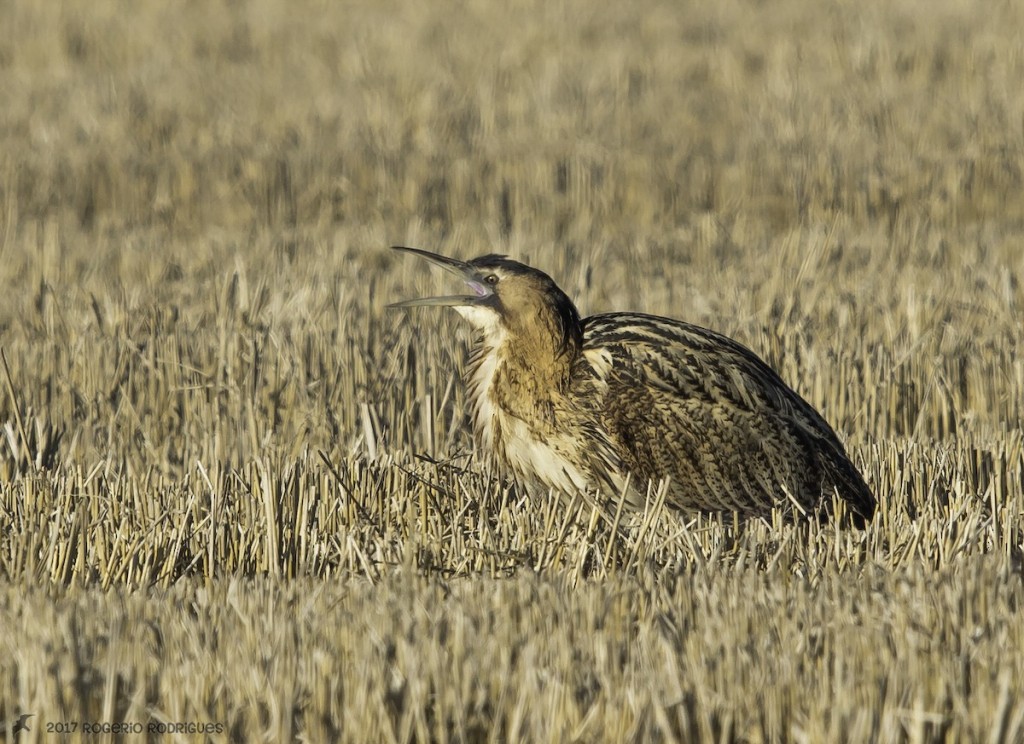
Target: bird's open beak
column 461, row 269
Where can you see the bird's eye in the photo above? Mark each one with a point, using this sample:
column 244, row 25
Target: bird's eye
column 491, row 278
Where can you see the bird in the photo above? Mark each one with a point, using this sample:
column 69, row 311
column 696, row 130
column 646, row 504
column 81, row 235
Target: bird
column 22, row 723
column 613, row 403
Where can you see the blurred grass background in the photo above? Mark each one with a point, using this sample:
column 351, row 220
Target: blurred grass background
column 208, row 406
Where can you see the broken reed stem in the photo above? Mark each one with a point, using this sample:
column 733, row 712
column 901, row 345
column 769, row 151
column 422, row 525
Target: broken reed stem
column 16, row 406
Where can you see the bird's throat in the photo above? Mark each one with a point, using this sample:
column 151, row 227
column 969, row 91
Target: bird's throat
column 528, row 382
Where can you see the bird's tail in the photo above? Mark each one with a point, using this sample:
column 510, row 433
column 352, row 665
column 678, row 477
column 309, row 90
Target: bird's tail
column 843, row 476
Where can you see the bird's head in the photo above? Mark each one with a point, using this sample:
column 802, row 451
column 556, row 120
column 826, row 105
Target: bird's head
column 506, row 298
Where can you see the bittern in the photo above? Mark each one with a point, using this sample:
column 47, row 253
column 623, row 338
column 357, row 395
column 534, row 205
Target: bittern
column 611, row 403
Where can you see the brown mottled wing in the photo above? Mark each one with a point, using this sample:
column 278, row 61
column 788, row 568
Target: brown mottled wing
column 687, row 403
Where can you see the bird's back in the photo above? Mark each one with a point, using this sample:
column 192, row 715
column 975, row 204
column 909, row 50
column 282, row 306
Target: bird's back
column 684, row 402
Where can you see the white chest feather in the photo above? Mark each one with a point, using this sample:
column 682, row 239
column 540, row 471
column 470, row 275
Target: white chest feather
column 531, row 457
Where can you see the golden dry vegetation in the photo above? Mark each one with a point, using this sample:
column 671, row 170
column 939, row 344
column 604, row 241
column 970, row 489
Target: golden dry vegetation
column 234, row 489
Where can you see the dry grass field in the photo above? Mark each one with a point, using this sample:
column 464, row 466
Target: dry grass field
column 239, row 500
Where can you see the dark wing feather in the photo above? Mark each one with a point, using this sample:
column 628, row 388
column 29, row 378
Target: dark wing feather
column 693, row 405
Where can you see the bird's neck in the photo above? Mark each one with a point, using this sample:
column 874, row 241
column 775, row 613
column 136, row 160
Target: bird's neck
column 540, row 363
column 525, row 371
